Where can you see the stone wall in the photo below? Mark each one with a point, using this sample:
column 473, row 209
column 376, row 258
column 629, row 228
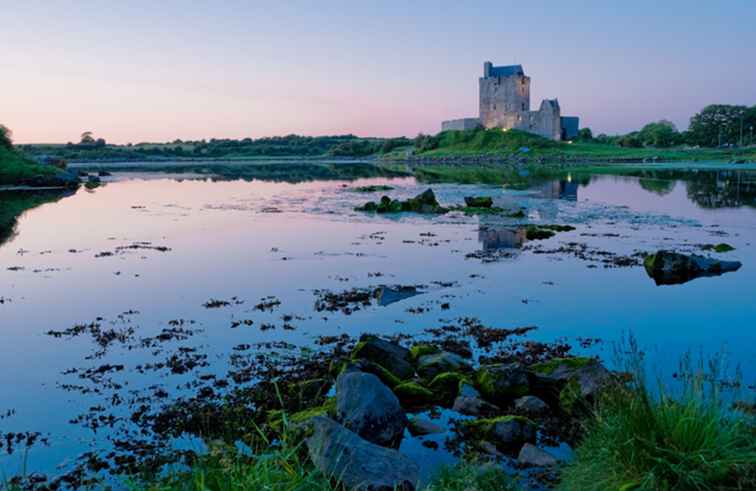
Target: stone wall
column 501, row 97
column 460, row 124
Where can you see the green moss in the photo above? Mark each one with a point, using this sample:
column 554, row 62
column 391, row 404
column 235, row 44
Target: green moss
column 540, row 232
column 379, row 371
column 412, row 394
column 720, row 248
column 483, row 427
column 517, row 214
column 419, row 350
column 446, row 385
column 549, row 367
column 486, row 384
column 569, row 396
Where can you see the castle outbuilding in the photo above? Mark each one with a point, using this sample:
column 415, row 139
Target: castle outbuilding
column 505, row 103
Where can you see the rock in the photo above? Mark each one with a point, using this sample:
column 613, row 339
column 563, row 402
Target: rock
column 386, row 295
column 474, row 406
column 421, row 426
column 421, row 349
column 579, row 377
column 428, row 366
column 501, row 383
column 424, row 202
column 390, row 356
column 467, row 390
column 479, row 201
column 530, row 455
column 531, row 405
column 369, row 408
column 415, row 396
column 507, row 432
column 446, row 386
column 357, row 463
column 671, row 268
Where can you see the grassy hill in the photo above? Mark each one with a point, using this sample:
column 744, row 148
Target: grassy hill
column 495, row 142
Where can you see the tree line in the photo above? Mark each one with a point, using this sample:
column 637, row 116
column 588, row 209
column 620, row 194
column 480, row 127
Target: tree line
column 715, row 125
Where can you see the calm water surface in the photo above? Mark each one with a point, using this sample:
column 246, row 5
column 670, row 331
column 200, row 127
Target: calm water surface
column 93, row 255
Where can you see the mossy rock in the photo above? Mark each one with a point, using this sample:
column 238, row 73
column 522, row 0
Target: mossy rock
column 422, row 349
column 446, row 386
column 508, row 432
column 502, row 383
column 549, row 367
column 414, row 395
column 541, row 232
column 327, row 409
column 720, row 248
column 388, row 355
column 478, row 201
column 570, row 396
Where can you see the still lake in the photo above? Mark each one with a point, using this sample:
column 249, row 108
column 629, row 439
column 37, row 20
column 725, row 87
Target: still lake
column 149, row 252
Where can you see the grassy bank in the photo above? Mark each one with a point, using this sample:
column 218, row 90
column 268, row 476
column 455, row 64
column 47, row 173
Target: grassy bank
column 525, row 146
column 15, row 169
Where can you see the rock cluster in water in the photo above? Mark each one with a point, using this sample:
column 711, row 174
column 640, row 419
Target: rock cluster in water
column 357, row 436
column 671, row 268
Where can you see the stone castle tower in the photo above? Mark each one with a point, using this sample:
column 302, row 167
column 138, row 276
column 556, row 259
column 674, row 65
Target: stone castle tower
column 505, row 103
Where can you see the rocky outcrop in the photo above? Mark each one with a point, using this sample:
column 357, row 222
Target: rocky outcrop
column 369, row 408
column 671, row 268
column 356, row 463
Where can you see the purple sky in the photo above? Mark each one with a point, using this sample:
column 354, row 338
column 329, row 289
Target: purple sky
column 155, row 71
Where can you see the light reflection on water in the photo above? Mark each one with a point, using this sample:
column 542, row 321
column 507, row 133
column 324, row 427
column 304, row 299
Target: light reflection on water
column 254, row 239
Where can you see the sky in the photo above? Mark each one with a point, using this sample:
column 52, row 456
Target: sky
column 142, row 71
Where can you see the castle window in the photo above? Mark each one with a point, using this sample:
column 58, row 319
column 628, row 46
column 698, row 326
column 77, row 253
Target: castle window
column 523, row 106
column 494, row 107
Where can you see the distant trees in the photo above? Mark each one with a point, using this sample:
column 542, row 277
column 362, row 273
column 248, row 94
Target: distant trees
column 719, row 124
column 584, row 135
column 87, row 138
column 6, row 137
column 660, row 134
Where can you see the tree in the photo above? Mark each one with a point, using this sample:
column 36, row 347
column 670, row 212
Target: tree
column 87, row 138
column 659, row 134
column 585, row 134
column 6, row 137
column 717, row 124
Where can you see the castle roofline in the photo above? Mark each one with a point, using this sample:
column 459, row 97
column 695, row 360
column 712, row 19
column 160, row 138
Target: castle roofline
column 501, row 71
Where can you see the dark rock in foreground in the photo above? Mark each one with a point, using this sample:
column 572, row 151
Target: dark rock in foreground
column 479, row 201
column 390, row 356
column 671, row 268
column 356, row 463
column 369, row 408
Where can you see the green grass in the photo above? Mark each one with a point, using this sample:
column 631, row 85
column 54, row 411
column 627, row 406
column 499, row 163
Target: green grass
column 638, row 441
column 16, row 169
column 495, row 142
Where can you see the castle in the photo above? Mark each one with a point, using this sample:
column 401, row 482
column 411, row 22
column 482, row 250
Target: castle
column 505, row 103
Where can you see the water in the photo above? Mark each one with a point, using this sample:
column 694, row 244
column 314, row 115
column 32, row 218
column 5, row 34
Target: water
column 141, row 252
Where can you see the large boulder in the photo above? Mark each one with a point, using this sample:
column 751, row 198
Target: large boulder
column 369, row 408
column 670, row 268
column 428, row 366
column 390, row 356
column 356, row 463
column 503, row 382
